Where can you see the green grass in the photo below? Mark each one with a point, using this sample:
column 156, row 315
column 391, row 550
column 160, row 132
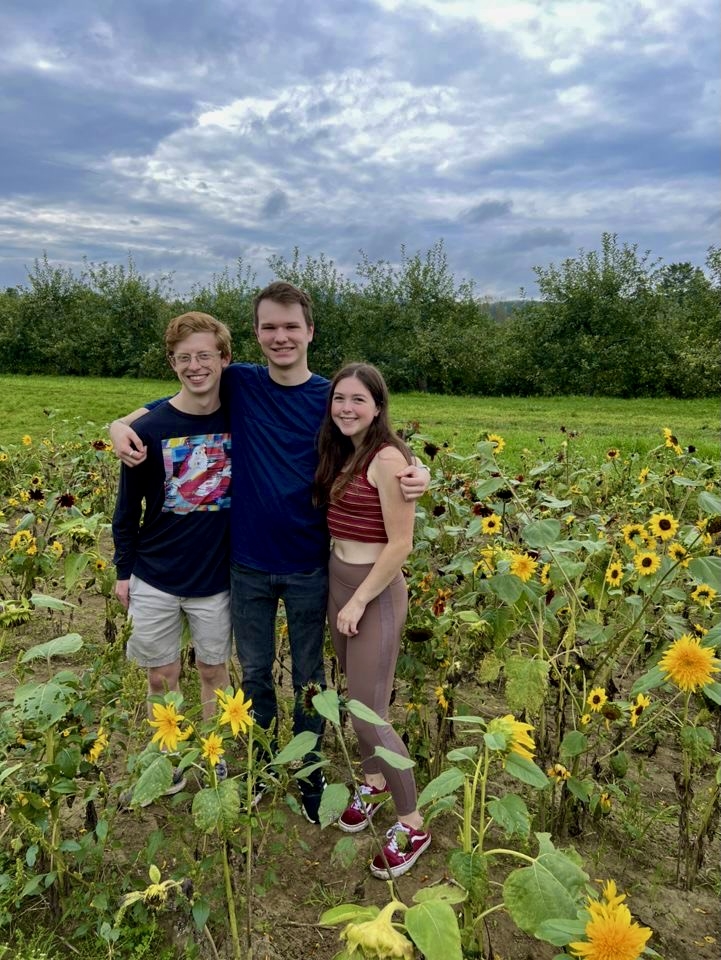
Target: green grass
column 40, row 405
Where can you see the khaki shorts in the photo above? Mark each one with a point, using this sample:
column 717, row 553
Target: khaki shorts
column 157, row 626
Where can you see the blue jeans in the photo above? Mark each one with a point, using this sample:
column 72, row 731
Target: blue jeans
column 254, row 597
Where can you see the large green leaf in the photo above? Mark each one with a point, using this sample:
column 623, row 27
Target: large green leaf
column 471, row 871
column 75, row 565
column 573, row 745
column 447, row 782
column 511, row 814
column 217, row 808
column 433, row 927
column 326, row 703
column 525, row 770
column 46, row 602
column 44, row 703
column 448, row 892
column 549, row 889
column 59, row 647
column 363, row 712
column 393, row 759
column 154, row 781
column 542, row 533
column 297, row 748
column 709, row 503
column 526, row 685
column 506, row 587
column 707, row 570
column 333, row 802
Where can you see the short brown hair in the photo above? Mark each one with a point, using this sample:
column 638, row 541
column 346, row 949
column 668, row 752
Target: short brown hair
column 196, row 322
column 280, row 291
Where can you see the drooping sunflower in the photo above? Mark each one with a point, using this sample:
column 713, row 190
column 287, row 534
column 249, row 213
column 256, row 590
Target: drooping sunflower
column 614, row 574
column 235, row 711
column 663, row 525
column 611, row 933
column 596, row 699
column 634, row 535
column 498, row 442
column 689, row 665
column 517, row 734
column 491, row 525
column 703, row 595
column 523, row 566
column 101, row 743
column 646, row 562
column 558, row 772
column 642, row 702
column 643, row 475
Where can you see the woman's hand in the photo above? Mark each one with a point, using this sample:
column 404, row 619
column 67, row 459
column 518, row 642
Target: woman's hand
column 349, row 616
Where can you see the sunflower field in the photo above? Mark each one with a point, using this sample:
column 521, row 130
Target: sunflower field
column 559, row 690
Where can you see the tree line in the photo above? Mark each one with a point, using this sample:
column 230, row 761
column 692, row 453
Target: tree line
column 608, row 322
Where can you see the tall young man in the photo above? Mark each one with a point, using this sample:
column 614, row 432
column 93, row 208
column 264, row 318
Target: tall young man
column 279, row 540
column 175, row 561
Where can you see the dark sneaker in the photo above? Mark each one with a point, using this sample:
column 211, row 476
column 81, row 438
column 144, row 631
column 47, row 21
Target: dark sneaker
column 358, row 815
column 311, row 792
column 404, row 847
column 178, row 784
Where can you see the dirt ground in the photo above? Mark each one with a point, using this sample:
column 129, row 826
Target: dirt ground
column 295, row 879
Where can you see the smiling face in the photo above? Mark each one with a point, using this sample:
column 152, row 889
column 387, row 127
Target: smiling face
column 198, row 364
column 284, row 334
column 353, row 409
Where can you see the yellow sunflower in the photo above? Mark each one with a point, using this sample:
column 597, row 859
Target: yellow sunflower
column 704, row 595
column 642, row 702
column 614, row 574
column 643, row 475
column 663, row 525
column 679, row 554
column 596, row 699
column 523, row 566
column 236, row 711
column 491, row 525
column 558, row 772
column 498, row 442
column 646, row 562
column 689, row 665
column 517, row 734
column 212, row 748
column 101, row 743
column 634, row 535
column 611, row 933
column 613, row 454
column 166, row 721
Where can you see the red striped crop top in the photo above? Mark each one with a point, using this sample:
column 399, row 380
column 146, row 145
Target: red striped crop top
column 357, row 514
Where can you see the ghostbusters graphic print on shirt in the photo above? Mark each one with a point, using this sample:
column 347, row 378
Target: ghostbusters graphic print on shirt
column 197, row 473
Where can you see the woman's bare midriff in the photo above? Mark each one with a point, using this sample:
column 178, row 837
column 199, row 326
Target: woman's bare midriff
column 352, row 551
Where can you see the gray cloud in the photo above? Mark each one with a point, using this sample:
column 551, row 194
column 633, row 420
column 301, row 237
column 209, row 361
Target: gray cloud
column 196, row 134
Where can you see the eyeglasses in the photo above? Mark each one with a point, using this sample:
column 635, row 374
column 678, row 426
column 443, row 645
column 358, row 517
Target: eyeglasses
column 183, row 359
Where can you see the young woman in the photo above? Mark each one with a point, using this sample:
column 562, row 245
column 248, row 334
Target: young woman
column 372, row 530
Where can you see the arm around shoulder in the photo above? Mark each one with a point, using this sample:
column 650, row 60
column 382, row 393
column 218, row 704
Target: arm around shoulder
column 126, row 443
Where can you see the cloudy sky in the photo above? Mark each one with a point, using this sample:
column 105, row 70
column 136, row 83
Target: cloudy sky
column 194, row 133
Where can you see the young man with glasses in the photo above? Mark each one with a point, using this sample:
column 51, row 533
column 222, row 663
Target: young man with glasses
column 175, row 562
column 279, row 539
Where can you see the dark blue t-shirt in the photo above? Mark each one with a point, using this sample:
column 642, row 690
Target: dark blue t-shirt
column 182, row 544
column 274, row 525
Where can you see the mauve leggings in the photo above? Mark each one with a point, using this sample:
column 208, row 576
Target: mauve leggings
column 368, row 661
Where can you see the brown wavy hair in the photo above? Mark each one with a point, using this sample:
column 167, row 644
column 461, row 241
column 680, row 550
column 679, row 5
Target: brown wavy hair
column 339, row 459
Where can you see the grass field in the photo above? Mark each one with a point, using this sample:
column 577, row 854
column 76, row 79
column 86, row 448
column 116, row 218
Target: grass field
column 40, row 405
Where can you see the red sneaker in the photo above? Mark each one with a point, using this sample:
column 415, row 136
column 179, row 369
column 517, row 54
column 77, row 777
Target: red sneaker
column 358, row 815
column 404, row 847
